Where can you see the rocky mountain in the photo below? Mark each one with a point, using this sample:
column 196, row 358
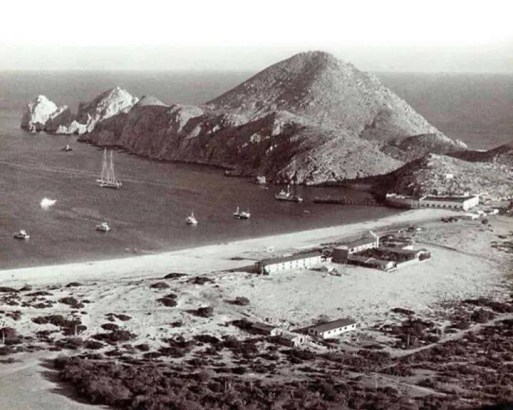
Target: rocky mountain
column 447, row 175
column 310, row 119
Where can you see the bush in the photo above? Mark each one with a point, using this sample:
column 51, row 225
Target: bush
column 159, row 285
column 240, row 301
column 167, row 301
column 207, row 311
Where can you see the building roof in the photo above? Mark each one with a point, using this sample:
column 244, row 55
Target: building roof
column 358, row 242
column 370, row 260
column 405, row 251
column 297, row 256
column 335, row 324
column 447, row 198
column 262, row 326
column 289, row 335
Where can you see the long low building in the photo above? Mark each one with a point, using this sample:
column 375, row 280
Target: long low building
column 451, row 202
column 288, row 263
column 333, row 328
column 462, row 202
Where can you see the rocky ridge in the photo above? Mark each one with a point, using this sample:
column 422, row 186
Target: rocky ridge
column 308, row 119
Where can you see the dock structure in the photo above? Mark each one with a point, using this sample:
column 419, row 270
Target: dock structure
column 346, row 201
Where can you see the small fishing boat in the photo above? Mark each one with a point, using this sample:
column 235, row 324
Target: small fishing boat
column 241, row 214
column 288, row 195
column 66, row 148
column 103, row 227
column 191, row 219
column 21, row 235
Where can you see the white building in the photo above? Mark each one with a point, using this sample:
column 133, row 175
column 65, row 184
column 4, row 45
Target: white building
column 332, row 329
column 450, row 202
column 288, row 263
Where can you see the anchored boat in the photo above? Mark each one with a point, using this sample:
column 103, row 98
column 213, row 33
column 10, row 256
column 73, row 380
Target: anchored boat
column 191, row 219
column 108, row 176
column 288, row 195
column 22, row 235
column 103, row 227
column 241, row 214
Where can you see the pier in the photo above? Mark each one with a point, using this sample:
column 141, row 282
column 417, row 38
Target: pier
column 346, row 201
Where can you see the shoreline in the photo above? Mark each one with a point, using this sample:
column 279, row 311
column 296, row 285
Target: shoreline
column 208, row 258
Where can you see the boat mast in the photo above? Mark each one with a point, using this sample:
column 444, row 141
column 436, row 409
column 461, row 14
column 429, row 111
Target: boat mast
column 112, row 175
column 105, row 170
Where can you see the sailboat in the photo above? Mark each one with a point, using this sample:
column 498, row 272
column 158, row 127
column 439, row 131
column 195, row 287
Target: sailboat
column 288, row 195
column 241, row 214
column 108, row 177
column 191, row 219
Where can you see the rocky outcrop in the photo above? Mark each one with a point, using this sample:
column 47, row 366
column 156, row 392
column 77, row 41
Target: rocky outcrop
column 41, row 111
column 445, row 175
column 43, row 115
column 310, row 119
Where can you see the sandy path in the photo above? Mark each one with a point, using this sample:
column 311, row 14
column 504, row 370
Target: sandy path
column 27, row 385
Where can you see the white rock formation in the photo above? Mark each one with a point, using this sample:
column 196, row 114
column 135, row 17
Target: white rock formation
column 38, row 112
column 104, row 106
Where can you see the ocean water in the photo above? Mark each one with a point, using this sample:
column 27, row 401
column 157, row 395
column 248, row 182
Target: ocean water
column 148, row 214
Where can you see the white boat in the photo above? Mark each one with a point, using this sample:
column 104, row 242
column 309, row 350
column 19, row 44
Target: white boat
column 108, row 176
column 241, row 214
column 22, row 235
column 191, row 219
column 288, row 195
column 67, row 148
column 103, row 227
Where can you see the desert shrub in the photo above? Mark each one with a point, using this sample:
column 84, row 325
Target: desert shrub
column 6, row 289
column 115, row 336
column 207, row 339
column 120, row 316
column 159, row 285
column 200, row 280
column 70, row 300
column 110, row 326
column 167, row 301
column 74, row 284
column 94, row 345
column 143, row 347
column 174, row 275
column 482, row 316
column 206, row 311
column 240, row 301
column 403, row 311
column 40, row 293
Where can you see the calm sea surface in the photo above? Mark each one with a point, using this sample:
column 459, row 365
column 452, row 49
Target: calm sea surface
column 147, row 214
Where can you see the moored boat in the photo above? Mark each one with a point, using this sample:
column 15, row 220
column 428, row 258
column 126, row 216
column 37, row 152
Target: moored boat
column 242, row 214
column 191, row 219
column 21, row 235
column 103, row 227
column 288, row 195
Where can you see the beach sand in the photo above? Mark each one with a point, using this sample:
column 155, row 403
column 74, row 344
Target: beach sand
column 463, row 265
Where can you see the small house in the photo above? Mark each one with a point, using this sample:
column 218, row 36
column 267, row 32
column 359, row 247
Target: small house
column 291, row 339
column 332, row 329
column 341, row 253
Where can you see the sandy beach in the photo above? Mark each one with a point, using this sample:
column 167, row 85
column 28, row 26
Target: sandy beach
column 207, row 258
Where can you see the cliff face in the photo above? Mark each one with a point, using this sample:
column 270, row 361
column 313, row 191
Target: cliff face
column 310, row 118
